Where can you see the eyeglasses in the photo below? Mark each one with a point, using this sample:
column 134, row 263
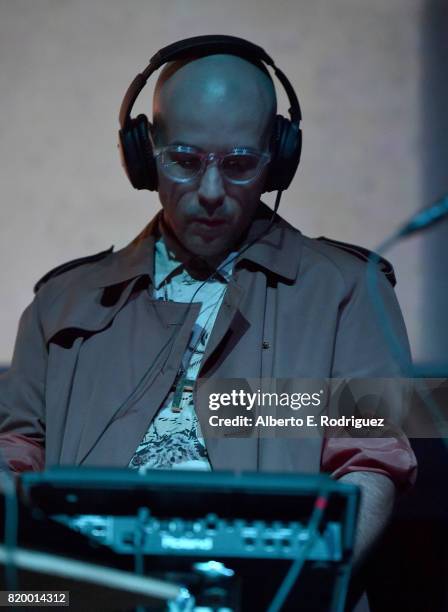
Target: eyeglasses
column 182, row 163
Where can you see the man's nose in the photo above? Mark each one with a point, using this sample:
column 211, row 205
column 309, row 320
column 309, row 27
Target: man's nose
column 211, row 190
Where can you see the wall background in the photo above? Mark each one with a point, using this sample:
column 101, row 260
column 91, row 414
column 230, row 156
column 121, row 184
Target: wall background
column 65, row 65
column 371, row 77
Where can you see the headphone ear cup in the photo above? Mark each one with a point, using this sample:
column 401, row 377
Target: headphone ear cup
column 137, row 155
column 286, row 147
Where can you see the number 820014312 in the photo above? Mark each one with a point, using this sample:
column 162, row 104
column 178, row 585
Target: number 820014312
column 34, row 598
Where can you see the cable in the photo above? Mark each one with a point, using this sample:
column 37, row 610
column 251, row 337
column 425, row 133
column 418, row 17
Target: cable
column 417, row 223
column 420, row 221
column 290, row 579
column 425, row 218
column 178, row 328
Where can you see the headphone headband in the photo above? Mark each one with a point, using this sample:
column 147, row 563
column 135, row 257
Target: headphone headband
column 209, row 45
column 206, row 45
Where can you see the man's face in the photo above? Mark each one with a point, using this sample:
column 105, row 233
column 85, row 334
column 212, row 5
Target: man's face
column 209, row 213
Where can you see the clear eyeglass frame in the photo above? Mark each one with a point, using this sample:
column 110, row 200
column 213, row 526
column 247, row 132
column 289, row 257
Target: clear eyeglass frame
column 192, row 163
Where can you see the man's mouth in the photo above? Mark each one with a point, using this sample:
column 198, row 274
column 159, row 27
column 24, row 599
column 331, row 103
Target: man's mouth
column 210, row 222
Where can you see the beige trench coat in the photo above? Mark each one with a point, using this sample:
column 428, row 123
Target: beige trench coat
column 295, row 307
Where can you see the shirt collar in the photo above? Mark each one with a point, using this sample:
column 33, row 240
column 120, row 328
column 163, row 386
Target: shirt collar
column 277, row 251
column 166, row 263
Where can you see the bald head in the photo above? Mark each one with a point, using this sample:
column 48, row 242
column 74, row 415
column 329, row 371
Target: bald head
column 226, row 93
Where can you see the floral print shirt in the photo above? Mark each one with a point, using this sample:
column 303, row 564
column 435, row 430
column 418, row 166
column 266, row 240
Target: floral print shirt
column 174, row 439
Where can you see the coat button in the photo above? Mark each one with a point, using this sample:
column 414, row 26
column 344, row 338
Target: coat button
column 265, row 344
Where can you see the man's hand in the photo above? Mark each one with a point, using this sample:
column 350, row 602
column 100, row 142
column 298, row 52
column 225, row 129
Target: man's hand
column 377, row 501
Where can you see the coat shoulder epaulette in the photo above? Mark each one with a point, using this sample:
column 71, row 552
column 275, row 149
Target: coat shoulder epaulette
column 364, row 254
column 69, row 265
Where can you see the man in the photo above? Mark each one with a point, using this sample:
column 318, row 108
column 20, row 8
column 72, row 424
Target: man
column 108, row 353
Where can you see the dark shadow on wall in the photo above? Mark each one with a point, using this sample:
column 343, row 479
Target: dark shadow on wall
column 434, row 144
column 409, row 571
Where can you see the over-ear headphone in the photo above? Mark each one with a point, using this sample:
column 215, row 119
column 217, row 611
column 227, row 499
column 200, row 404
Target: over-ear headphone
column 135, row 141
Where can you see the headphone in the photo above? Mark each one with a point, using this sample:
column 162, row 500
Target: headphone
column 135, row 142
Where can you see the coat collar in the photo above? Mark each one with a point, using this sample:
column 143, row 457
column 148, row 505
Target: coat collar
column 278, row 251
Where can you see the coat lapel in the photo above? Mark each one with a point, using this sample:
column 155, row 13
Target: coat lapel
column 227, row 312
column 126, row 371
column 223, row 360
